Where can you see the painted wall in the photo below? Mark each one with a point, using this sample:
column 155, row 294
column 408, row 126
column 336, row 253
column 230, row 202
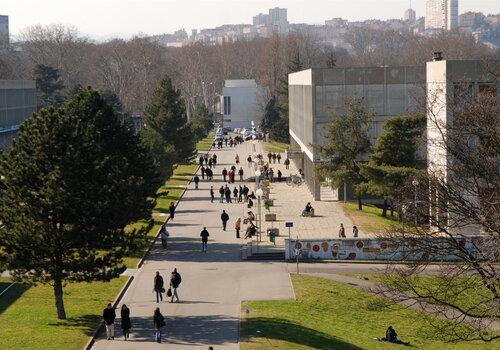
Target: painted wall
column 364, row 249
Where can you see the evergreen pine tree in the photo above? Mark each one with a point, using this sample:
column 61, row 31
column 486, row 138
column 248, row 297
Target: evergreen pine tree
column 166, row 114
column 71, row 182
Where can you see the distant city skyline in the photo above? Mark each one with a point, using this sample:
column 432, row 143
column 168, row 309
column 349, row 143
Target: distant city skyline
column 102, row 19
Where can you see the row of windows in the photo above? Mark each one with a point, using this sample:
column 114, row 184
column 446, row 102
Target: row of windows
column 227, row 105
column 17, row 97
column 14, row 116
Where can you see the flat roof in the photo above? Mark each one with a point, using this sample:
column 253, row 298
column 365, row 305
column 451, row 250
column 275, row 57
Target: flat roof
column 17, row 84
column 240, row 83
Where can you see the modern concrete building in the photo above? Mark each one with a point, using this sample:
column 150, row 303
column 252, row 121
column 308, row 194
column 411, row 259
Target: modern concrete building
column 239, row 103
column 449, row 84
column 4, row 30
column 316, row 93
column 441, row 15
column 17, row 102
column 386, row 91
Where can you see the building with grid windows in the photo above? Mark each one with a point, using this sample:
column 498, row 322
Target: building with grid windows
column 17, row 102
column 441, row 15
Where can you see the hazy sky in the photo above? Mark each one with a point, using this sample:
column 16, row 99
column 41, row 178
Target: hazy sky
column 103, row 18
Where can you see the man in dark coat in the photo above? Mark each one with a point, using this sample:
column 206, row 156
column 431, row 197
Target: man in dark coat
column 225, row 218
column 204, row 239
column 171, row 210
column 158, row 287
column 240, row 172
column 108, row 316
column 196, row 181
column 224, row 174
column 175, row 280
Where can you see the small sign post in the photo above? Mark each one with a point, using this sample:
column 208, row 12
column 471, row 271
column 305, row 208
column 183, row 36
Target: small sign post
column 289, row 224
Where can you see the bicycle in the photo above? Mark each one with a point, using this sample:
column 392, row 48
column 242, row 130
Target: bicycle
column 294, row 180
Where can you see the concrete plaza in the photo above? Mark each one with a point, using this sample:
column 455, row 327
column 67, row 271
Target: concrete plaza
column 213, row 284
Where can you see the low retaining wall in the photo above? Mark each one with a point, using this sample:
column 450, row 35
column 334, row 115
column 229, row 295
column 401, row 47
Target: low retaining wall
column 372, row 249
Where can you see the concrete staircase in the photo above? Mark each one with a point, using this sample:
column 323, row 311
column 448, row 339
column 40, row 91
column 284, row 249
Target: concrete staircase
column 327, row 194
column 263, row 251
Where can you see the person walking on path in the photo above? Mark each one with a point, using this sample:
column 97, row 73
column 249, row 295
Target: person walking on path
column 342, row 231
column 212, row 194
column 240, row 173
column 279, row 175
column 201, row 160
column 206, row 160
column 269, row 156
column 235, row 194
column 231, row 176
column 237, row 159
column 287, row 163
column 202, row 170
column 278, row 157
column 224, row 174
column 225, row 218
column 227, row 192
column 237, row 227
column 164, row 234
column 245, row 192
column 204, row 239
column 126, row 324
column 214, row 159
column 249, row 161
column 108, row 316
column 240, row 194
column 158, row 287
column 210, row 163
column 221, row 192
column 274, row 158
column 171, row 209
column 159, row 323
column 355, row 231
column 196, row 181
column 175, row 281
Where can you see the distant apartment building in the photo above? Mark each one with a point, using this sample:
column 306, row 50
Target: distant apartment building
column 239, row 103
column 410, row 16
column 336, row 22
column 17, row 102
column 4, row 30
column 441, row 15
column 276, row 19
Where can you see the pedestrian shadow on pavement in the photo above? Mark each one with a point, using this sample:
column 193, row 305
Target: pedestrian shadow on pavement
column 189, row 250
column 207, row 330
column 263, row 329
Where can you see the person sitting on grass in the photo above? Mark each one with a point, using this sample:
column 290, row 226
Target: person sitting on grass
column 392, row 337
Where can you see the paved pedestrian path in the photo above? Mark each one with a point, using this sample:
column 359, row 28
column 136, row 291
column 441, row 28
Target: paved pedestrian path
column 213, row 284
column 289, row 201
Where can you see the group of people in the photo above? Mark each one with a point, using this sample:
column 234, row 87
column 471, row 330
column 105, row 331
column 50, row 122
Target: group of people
column 109, row 314
column 355, row 231
column 230, row 175
column 273, row 157
column 227, row 141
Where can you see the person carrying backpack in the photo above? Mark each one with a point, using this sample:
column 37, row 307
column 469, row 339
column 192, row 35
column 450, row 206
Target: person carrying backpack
column 175, row 281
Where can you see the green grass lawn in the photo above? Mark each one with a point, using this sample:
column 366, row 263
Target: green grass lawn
column 330, row 315
column 28, row 317
column 370, row 219
column 275, row 147
column 205, row 144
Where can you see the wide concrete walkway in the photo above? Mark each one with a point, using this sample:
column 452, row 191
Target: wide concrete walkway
column 213, row 284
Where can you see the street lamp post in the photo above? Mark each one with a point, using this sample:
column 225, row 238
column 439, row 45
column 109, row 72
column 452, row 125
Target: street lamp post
column 258, row 193
column 415, row 184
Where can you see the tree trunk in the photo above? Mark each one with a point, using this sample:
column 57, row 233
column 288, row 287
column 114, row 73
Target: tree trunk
column 58, row 294
column 384, row 209
column 360, row 204
column 392, row 209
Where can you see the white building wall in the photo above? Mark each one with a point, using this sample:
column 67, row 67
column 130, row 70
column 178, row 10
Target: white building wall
column 244, row 107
